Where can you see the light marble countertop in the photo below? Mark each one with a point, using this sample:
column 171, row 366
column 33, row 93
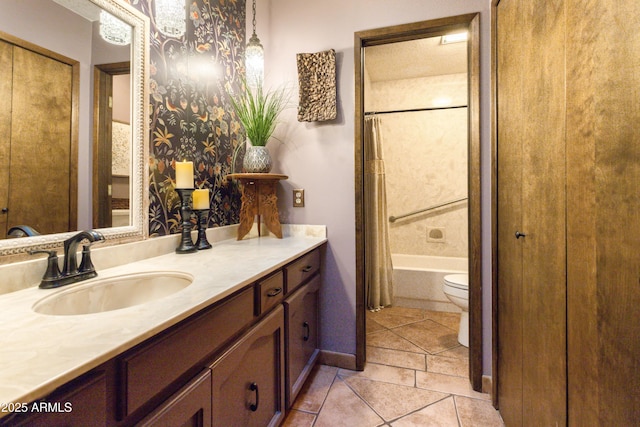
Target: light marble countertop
column 38, row 352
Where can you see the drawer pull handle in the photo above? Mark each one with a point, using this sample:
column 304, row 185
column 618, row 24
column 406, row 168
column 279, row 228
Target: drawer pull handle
column 307, row 331
column 254, row 406
column 307, row 269
column 274, row 291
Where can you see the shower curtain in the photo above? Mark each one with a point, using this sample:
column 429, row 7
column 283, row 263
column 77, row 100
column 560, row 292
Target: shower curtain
column 378, row 267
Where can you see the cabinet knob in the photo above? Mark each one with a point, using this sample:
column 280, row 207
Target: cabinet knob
column 254, row 406
column 307, row 269
column 519, row 235
column 5, row 210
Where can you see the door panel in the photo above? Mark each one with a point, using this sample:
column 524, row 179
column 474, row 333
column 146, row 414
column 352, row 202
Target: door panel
column 604, row 233
column 543, row 194
column 6, row 72
column 509, row 152
column 42, row 100
column 531, row 200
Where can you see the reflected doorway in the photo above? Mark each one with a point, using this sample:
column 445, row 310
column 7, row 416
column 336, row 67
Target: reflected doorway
column 112, row 145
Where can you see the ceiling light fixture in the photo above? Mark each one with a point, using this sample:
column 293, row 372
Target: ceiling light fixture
column 454, row 38
column 254, row 56
column 171, row 17
column 114, row 30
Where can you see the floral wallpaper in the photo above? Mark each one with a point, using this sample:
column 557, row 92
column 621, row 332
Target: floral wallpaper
column 190, row 114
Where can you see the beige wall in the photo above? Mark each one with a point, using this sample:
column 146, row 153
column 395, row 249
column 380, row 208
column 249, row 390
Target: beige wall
column 425, row 157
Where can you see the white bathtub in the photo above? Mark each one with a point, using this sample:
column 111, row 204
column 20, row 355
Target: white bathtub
column 418, row 280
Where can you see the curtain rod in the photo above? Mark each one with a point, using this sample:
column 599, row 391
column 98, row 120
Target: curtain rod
column 370, row 113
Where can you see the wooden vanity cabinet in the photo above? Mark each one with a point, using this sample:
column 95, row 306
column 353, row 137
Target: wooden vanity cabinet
column 301, row 328
column 156, row 365
column 248, row 379
column 231, row 364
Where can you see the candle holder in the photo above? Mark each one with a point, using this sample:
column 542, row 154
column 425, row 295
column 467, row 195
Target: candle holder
column 203, row 216
column 186, row 244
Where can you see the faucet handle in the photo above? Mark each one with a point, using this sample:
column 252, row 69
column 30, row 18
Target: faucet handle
column 85, row 264
column 53, row 270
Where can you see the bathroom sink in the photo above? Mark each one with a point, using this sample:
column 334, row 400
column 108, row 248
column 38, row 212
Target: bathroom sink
column 113, row 293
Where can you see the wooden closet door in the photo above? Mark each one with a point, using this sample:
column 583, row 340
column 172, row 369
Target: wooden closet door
column 509, row 183
column 603, row 157
column 6, row 71
column 532, row 301
column 41, row 144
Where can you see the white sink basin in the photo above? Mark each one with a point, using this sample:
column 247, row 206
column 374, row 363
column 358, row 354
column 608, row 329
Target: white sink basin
column 113, row 293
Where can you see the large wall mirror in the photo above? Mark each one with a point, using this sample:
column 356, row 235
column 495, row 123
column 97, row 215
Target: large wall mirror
column 73, row 129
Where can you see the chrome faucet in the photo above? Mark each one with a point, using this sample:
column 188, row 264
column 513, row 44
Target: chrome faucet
column 70, row 273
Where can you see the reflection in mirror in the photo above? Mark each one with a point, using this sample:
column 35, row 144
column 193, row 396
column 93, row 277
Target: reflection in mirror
column 111, row 145
column 71, row 88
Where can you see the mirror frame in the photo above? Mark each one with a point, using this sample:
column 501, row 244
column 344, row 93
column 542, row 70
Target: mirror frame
column 139, row 203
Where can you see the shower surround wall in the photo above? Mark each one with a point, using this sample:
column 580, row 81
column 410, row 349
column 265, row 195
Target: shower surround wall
column 425, row 161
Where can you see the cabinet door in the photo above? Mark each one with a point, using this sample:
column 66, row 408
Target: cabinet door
column 301, row 326
column 248, row 379
column 191, row 406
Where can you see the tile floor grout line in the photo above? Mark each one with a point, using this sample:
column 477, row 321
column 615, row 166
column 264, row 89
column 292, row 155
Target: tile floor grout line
column 365, row 400
column 423, row 407
column 405, row 339
column 401, row 351
column 455, row 406
column 324, row 400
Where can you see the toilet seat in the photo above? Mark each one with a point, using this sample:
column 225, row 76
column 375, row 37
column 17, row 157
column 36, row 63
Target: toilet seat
column 458, row 281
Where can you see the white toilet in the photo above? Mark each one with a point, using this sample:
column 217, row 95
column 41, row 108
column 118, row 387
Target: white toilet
column 456, row 288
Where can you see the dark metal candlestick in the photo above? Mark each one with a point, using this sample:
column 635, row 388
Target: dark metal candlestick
column 203, row 217
column 186, row 244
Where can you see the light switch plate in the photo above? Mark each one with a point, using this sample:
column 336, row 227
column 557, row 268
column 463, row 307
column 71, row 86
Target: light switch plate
column 298, row 198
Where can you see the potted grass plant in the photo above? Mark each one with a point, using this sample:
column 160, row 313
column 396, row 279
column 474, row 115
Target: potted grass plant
column 258, row 111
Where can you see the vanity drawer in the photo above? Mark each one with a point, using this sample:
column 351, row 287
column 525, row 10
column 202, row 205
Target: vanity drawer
column 269, row 292
column 302, row 269
column 148, row 370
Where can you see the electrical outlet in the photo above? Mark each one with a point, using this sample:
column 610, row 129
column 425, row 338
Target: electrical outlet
column 298, row 198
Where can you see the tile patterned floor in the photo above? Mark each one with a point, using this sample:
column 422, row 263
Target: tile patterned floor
column 416, row 375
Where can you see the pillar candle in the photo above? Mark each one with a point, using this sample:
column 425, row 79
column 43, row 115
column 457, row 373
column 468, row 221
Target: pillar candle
column 201, row 198
column 184, row 174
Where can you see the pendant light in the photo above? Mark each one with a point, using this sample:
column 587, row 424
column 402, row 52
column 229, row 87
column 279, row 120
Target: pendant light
column 114, row 30
column 171, row 17
column 254, row 56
